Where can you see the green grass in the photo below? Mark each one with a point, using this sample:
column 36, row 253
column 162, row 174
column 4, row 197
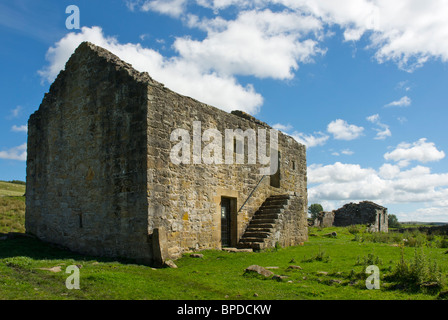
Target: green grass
column 11, row 189
column 332, row 268
column 12, row 207
column 218, row 275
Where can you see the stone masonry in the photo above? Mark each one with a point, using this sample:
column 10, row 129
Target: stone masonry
column 100, row 180
column 366, row 212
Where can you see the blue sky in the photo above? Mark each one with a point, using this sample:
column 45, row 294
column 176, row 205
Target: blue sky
column 363, row 83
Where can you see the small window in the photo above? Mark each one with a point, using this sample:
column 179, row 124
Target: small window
column 293, row 165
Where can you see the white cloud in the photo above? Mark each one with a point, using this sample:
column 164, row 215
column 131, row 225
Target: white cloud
column 176, row 73
column 23, row 128
column 340, row 183
column 347, row 152
column 174, row 8
column 383, row 132
column 337, row 172
column 420, row 150
column 263, row 44
column 403, row 102
column 374, row 118
column 16, row 153
column 282, row 127
column 427, row 214
column 341, row 130
column 407, row 32
column 15, row 113
column 311, row 140
column 389, row 171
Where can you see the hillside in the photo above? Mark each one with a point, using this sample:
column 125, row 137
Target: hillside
column 11, row 189
column 12, row 207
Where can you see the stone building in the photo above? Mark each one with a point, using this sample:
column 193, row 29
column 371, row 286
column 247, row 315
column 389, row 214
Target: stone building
column 366, row 212
column 101, row 179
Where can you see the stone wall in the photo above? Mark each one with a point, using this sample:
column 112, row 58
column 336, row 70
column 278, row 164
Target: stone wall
column 324, row 219
column 87, row 146
column 185, row 199
column 99, row 176
column 366, row 212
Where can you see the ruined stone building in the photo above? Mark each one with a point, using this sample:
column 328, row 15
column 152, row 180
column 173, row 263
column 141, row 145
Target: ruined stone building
column 101, row 179
column 366, row 213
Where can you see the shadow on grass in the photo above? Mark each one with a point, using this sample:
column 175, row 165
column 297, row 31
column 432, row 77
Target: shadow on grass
column 21, row 245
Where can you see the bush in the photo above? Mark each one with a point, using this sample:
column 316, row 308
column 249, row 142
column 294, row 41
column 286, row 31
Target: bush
column 444, row 243
column 18, row 182
column 320, row 256
column 355, row 229
column 369, row 260
column 420, row 274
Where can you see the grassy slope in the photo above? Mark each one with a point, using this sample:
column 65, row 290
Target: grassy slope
column 11, row 189
column 218, row 275
column 12, row 207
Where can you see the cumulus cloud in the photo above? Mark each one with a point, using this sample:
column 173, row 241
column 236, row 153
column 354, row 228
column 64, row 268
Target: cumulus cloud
column 174, row 8
column 403, row 102
column 263, row 44
column 222, row 91
column 389, row 185
column 409, row 33
column 340, row 183
column 282, row 127
column 310, row 140
column 15, row 153
column 420, row 150
column 271, row 38
column 347, row 152
column 23, row 128
column 341, row 130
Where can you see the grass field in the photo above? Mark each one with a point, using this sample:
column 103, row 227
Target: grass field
column 12, row 207
column 412, row 266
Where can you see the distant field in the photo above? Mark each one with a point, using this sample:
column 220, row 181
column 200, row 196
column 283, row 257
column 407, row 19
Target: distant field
column 11, row 189
column 12, row 207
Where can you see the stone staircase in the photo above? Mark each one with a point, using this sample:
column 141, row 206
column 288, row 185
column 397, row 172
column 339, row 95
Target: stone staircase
column 261, row 227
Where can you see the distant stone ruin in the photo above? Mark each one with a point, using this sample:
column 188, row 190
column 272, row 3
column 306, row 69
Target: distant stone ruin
column 366, row 213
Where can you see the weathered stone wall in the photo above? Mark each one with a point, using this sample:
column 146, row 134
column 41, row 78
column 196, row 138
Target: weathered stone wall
column 185, row 199
column 86, row 167
column 366, row 212
column 99, row 175
column 324, row 219
column 289, row 230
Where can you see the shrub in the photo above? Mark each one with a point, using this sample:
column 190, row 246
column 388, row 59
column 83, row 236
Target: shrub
column 370, row 259
column 444, row 243
column 355, row 229
column 420, row 274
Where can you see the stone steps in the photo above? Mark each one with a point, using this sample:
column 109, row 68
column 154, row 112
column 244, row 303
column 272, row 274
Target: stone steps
column 263, row 222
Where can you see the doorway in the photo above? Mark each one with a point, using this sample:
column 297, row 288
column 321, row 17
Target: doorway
column 228, row 222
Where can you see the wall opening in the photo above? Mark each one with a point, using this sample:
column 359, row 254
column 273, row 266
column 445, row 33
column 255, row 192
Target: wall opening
column 229, row 236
